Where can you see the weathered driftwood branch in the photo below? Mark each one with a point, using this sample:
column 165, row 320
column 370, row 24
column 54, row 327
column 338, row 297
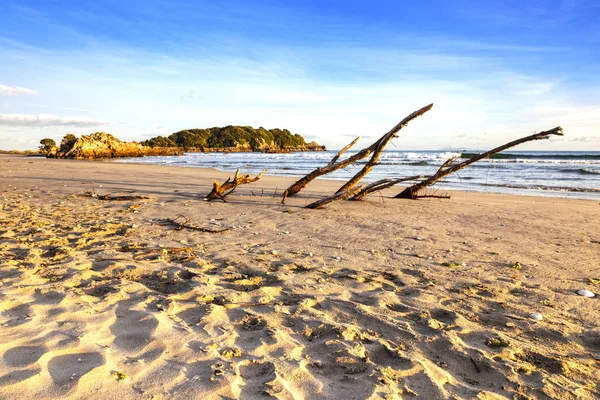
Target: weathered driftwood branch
column 330, row 167
column 381, row 143
column 342, row 151
column 111, row 197
column 382, row 184
column 338, row 196
column 182, row 222
column 220, row 191
column 450, row 166
column 334, row 165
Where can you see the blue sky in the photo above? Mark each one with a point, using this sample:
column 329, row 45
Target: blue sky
column 329, row 70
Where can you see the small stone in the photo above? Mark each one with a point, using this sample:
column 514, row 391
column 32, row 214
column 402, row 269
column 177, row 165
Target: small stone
column 418, row 238
column 536, row 316
column 586, row 293
column 274, row 252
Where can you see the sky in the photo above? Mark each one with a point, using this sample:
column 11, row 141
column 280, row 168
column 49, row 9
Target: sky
column 328, row 70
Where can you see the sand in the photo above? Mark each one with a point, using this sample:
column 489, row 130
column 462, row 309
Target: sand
column 383, row 298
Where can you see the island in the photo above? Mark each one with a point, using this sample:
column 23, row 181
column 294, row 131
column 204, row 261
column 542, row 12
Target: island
column 226, row 139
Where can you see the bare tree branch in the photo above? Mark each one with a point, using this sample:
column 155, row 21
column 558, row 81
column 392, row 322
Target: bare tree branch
column 450, row 166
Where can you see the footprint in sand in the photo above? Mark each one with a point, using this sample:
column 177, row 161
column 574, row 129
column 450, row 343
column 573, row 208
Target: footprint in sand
column 133, row 329
column 259, row 379
column 66, row 370
column 22, row 356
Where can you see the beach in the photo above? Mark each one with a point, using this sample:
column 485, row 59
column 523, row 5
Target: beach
column 383, row 298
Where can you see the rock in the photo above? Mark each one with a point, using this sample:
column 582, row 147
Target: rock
column 536, row 316
column 105, row 145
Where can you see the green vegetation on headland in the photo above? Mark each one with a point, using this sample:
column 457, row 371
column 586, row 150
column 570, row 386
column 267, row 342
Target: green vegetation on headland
column 235, row 138
column 227, row 139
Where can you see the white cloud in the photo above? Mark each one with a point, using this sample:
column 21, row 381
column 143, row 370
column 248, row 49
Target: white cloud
column 12, row 90
column 44, row 120
column 586, row 139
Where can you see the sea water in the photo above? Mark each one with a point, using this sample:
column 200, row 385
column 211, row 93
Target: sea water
column 559, row 174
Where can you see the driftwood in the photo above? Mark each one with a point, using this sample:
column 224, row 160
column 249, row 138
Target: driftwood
column 330, row 167
column 334, row 164
column 451, row 166
column 380, row 146
column 111, row 197
column 182, row 222
column 338, row 196
column 382, row 184
column 220, row 191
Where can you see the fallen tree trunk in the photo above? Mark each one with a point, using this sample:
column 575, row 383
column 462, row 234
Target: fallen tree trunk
column 334, row 165
column 220, row 191
column 335, row 197
column 330, row 167
column 450, row 166
column 382, row 184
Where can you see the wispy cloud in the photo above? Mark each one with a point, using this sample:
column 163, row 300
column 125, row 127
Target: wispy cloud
column 45, row 120
column 586, row 139
column 13, row 90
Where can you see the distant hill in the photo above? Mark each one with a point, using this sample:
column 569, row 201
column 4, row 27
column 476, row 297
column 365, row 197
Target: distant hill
column 235, row 138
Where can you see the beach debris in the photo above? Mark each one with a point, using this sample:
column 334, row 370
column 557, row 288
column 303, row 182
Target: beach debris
column 376, row 148
column 182, row 222
column 252, row 322
column 119, row 376
column 451, row 165
column 586, row 293
column 536, row 316
column 111, row 197
column 452, row 264
column 222, row 190
column 516, row 265
column 477, row 368
column 231, row 352
column 594, row 281
column 497, row 342
column 181, row 254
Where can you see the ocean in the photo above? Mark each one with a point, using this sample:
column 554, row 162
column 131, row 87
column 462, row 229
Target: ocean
column 572, row 174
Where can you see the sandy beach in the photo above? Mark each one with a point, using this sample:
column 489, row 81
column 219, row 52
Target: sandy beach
column 385, row 298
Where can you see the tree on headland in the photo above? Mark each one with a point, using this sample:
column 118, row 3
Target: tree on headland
column 67, row 142
column 242, row 137
column 160, row 141
column 47, row 145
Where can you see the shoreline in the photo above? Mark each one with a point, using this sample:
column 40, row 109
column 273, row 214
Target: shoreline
column 373, row 299
column 322, row 186
column 553, row 190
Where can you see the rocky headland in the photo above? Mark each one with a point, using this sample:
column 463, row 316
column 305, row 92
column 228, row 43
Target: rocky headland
column 211, row 140
column 103, row 145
